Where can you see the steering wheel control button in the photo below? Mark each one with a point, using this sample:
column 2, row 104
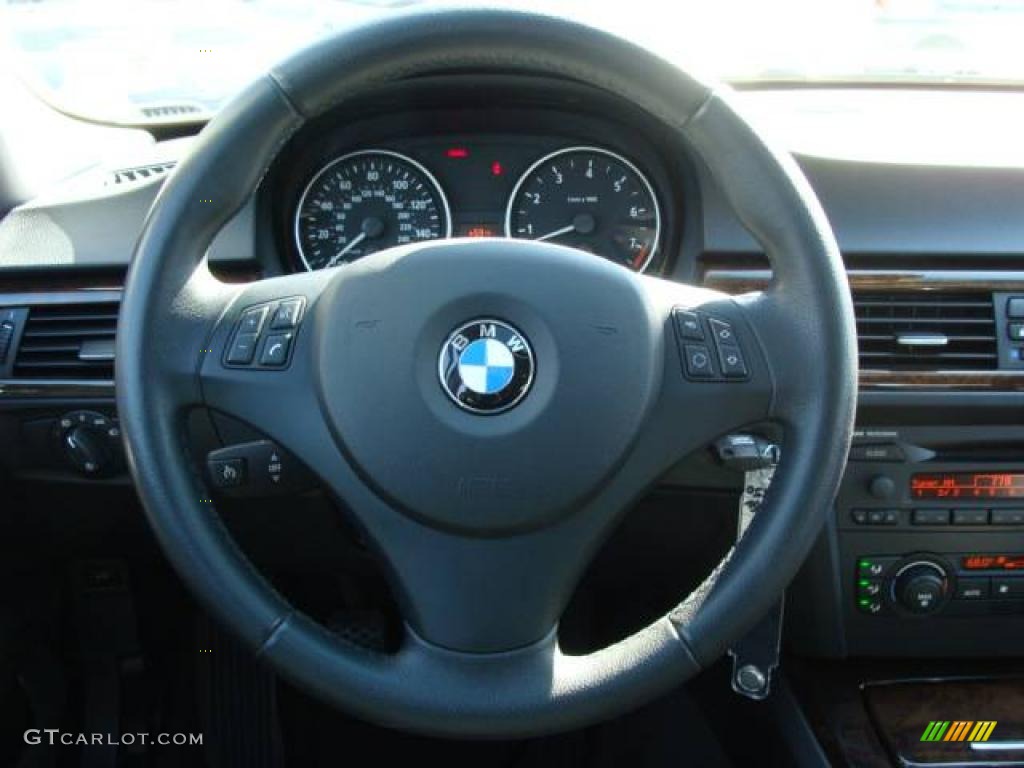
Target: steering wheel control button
column 720, row 360
column 276, row 349
column 698, row 362
column 227, row 473
column 287, row 315
column 252, row 320
column 252, row 344
column 243, row 349
column 258, row 468
column 486, row 366
column 722, row 332
column 1015, row 307
column 688, row 325
column 731, row 360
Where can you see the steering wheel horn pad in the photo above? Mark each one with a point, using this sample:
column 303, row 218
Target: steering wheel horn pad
column 381, row 325
column 485, row 522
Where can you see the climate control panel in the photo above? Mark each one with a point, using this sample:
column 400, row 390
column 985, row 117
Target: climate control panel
column 926, row 584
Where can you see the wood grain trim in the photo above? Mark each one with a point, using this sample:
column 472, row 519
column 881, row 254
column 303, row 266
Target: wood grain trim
column 999, row 381
column 736, row 281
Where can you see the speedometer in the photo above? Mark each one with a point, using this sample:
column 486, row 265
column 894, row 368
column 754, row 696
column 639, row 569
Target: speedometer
column 588, row 198
column 367, row 201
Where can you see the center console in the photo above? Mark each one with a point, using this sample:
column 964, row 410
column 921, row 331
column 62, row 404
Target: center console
column 925, row 552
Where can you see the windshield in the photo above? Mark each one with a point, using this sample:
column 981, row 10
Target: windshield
column 138, row 60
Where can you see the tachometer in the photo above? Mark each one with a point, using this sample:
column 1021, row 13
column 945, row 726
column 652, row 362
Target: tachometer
column 367, row 201
column 588, row 198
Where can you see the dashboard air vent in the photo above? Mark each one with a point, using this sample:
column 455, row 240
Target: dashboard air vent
column 926, row 331
column 140, row 173
column 68, row 341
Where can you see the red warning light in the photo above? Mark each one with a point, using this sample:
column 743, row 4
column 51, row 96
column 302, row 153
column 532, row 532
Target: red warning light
column 457, row 153
column 497, row 168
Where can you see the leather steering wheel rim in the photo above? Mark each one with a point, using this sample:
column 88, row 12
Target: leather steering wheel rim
column 799, row 338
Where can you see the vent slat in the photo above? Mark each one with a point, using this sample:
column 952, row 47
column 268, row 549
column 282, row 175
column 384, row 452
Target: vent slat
column 957, row 331
column 54, row 335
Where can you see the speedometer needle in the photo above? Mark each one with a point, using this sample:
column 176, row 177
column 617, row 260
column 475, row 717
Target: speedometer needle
column 557, row 233
column 341, row 254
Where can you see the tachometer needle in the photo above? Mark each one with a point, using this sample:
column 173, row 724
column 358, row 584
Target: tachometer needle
column 557, row 233
column 342, row 253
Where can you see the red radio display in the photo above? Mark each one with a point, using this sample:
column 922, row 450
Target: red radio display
column 968, row 485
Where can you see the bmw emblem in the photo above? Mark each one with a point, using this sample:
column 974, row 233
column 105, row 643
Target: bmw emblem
column 486, row 366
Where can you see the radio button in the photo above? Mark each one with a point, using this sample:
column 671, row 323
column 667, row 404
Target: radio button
column 877, row 452
column 1008, row 517
column 931, row 517
column 972, row 588
column 1007, row 587
column 859, row 516
column 970, row 517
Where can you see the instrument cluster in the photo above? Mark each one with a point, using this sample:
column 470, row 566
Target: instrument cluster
column 583, row 195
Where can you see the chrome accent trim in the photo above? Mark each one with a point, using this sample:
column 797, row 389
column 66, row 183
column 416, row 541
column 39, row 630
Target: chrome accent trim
column 67, row 389
column 80, row 296
column 922, row 339
column 996, row 746
column 97, row 350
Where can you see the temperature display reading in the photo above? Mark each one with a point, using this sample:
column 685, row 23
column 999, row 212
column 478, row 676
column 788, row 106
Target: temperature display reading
column 968, row 485
column 992, row 562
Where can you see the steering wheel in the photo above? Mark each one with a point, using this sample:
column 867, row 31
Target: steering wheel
column 486, row 500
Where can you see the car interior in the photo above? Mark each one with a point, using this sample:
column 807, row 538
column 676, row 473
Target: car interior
column 504, row 386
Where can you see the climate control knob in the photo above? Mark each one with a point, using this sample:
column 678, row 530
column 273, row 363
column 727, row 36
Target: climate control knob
column 921, row 587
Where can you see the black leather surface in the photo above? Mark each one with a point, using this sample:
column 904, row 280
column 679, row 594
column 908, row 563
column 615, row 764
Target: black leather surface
column 171, row 302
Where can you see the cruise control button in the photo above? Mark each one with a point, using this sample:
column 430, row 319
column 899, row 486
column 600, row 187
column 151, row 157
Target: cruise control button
column 731, row 360
column 243, row 348
column 275, row 349
column 227, row 473
column 1008, row 517
column 688, row 325
column 252, row 320
column 287, row 315
column 722, row 332
column 970, row 517
column 698, row 361
column 972, row 588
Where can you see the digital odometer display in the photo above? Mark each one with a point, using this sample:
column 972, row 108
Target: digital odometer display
column 968, row 485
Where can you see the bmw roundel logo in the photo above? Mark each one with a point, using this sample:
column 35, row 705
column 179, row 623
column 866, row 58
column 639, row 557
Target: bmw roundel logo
column 486, row 366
